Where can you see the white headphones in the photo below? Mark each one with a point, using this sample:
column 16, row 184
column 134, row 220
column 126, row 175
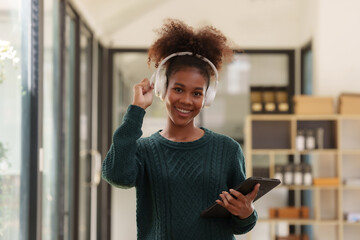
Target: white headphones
column 159, row 78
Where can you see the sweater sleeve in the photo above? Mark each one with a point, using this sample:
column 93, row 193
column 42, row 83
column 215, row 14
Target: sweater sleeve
column 240, row 226
column 122, row 165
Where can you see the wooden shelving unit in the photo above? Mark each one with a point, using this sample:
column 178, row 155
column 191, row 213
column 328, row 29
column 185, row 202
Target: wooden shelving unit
column 270, row 136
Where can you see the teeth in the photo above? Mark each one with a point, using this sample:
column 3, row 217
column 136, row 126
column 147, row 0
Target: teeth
column 183, row 110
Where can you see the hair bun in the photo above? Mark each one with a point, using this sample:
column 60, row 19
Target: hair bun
column 176, row 36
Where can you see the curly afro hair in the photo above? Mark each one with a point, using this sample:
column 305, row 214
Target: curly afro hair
column 176, row 36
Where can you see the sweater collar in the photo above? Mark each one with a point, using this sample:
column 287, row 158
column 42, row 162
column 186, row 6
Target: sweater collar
column 185, row 145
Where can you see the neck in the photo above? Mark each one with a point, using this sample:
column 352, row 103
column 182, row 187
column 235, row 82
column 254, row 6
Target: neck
column 186, row 133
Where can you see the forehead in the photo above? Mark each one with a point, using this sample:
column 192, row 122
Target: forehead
column 188, row 76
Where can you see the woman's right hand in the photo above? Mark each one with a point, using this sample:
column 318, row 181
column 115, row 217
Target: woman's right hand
column 143, row 96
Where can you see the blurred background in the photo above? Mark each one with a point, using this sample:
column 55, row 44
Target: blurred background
column 67, row 68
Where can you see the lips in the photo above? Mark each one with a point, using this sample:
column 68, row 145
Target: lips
column 183, row 110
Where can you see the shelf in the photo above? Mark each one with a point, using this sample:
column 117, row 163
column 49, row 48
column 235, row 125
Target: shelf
column 350, row 151
column 350, row 117
column 274, row 137
column 272, row 151
column 351, row 187
column 316, row 117
column 299, row 221
column 317, row 151
column 303, row 187
column 288, row 117
column 357, row 224
column 292, row 152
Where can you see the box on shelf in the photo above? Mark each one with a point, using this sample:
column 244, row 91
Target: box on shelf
column 349, row 103
column 293, row 237
column 304, row 104
column 290, row 212
column 326, row 181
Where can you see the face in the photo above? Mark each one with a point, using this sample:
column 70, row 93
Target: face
column 185, row 95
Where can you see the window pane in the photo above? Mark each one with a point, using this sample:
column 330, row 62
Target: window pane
column 131, row 68
column 68, row 124
column 50, row 122
column 10, row 120
column 227, row 113
column 85, row 163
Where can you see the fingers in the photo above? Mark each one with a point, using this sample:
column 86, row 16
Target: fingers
column 254, row 192
column 143, row 93
column 227, row 202
column 238, row 204
column 144, row 86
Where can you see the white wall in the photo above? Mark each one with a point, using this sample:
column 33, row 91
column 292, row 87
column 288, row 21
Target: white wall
column 337, row 47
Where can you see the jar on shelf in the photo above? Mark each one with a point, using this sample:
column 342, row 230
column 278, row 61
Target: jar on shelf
column 256, row 104
column 269, row 99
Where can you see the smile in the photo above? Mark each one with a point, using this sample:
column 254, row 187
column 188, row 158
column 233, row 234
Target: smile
column 183, row 110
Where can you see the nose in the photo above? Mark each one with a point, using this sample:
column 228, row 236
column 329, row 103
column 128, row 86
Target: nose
column 186, row 99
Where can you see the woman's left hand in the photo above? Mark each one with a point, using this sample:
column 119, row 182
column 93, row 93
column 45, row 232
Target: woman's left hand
column 240, row 205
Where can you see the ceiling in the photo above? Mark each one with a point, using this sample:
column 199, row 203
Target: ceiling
column 250, row 23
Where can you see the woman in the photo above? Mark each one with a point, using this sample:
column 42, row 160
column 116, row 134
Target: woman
column 181, row 170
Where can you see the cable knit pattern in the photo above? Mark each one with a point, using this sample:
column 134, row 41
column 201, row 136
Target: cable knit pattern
column 175, row 181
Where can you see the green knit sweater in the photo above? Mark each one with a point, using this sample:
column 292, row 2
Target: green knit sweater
column 175, row 181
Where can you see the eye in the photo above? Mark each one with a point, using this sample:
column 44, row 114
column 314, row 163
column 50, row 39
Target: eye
column 198, row 94
column 179, row 90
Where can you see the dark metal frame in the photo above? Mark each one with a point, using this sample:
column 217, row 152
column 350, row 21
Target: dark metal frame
column 30, row 137
column 84, row 29
column 66, row 9
column 104, row 138
column 291, row 67
column 304, row 50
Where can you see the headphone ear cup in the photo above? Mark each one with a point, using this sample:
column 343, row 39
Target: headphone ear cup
column 210, row 96
column 160, row 85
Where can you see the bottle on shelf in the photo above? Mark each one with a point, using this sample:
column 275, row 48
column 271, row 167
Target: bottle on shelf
column 279, row 173
column 310, row 139
column 298, row 174
column 320, row 138
column 300, row 140
column 288, row 174
column 307, row 172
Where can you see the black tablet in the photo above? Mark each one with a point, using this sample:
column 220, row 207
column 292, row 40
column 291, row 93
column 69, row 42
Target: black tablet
column 266, row 184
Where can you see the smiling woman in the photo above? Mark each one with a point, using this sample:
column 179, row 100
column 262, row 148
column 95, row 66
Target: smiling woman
column 181, row 169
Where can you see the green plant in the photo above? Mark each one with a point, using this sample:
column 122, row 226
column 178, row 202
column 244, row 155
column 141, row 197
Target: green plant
column 7, row 52
column 3, row 151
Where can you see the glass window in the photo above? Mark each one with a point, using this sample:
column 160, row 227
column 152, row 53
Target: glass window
column 232, row 104
column 131, row 68
column 50, row 122
column 12, row 60
column 85, row 164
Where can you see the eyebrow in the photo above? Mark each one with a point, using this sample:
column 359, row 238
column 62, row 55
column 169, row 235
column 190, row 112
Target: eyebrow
column 182, row 85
